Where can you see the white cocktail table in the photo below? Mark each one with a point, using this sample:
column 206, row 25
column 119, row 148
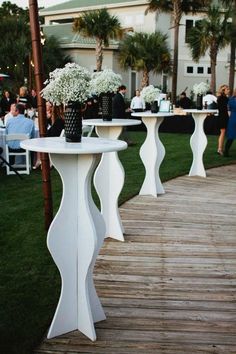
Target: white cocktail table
column 109, row 175
column 77, row 231
column 152, row 152
column 198, row 140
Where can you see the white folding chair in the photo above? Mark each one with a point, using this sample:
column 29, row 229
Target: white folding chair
column 87, row 130
column 21, row 168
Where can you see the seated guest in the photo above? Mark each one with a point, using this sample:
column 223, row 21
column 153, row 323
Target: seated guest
column 58, row 122
column 184, row 101
column 6, row 102
column 19, row 125
column 137, row 103
column 10, row 114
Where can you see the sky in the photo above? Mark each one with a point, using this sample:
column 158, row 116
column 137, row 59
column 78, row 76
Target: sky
column 41, row 3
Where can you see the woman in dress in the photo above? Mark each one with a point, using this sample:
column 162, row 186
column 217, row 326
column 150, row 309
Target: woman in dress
column 222, row 103
column 231, row 128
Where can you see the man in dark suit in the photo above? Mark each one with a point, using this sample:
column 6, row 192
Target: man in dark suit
column 118, row 103
column 118, row 111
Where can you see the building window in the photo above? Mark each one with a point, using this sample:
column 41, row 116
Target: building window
column 200, row 70
column 188, row 26
column 189, row 70
column 196, row 70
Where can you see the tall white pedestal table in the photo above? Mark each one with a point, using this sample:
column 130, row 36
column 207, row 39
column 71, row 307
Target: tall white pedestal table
column 77, row 231
column 109, row 176
column 198, row 140
column 152, row 152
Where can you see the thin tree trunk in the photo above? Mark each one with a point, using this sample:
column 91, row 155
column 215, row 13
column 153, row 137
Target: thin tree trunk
column 232, row 67
column 177, row 13
column 213, row 73
column 232, row 52
column 99, row 54
column 38, row 71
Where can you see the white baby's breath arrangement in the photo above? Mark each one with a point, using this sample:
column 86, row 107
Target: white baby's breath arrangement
column 105, row 81
column 201, row 89
column 150, row 93
column 68, row 84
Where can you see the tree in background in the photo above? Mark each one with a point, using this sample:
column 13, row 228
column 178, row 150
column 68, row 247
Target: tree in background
column 16, row 45
column 98, row 24
column 210, row 35
column 145, row 52
column 177, row 8
column 231, row 4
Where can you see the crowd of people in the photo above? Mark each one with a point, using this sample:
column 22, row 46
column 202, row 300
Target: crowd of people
column 226, row 117
column 16, row 107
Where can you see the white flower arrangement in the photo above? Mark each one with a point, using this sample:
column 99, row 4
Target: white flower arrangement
column 201, row 89
column 68, row 84
column 150, row 93
column 105, row 81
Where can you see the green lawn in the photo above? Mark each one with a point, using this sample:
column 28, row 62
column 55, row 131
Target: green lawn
column 29, row 280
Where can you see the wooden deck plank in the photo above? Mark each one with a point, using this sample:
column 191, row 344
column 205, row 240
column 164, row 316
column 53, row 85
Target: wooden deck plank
column 170, row 288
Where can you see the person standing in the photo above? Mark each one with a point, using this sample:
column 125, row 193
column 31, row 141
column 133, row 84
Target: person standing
column 223, row 117
column 118, row 103
column 231, row 128
column 184, row 101
column 137, row 103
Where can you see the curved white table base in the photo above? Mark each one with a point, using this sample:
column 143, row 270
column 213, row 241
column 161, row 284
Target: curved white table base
column 152, row 150
column 79, row 306
column 77, row 231
column 109, row 189
column 198, row 143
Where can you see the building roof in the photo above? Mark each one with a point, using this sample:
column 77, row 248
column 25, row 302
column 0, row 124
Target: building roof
column 80, row 4
column 66, row 36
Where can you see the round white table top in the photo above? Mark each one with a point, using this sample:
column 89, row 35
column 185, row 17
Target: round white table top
column 207, row 111
column 58, row 145
column 115, row 122
column 150, row 114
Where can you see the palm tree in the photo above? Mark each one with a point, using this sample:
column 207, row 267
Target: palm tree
column 177, row 8
column 210, row 34
column 145, row 52
column 98, row 24
column 232, row 5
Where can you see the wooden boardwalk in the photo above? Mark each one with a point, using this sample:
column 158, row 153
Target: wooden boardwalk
column 171, row 287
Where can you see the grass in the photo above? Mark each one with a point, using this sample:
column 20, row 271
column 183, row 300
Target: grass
column 29, row 280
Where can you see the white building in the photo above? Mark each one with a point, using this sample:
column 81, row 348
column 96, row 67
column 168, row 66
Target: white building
column 131, row 13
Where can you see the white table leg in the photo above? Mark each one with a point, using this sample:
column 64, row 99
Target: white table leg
column 198, row 143
column 109, row 180
column 152, row 153
column 74, row 239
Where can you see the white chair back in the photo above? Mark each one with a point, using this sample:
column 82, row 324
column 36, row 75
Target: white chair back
column 22, row 168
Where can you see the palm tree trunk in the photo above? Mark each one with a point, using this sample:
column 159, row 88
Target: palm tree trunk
column 145, row 79
column 231, row 67
column 213, row 56
column 177, row 13
column 99, row 54
column 232, row 53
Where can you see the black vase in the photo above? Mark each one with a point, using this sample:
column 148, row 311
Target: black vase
column 199, row 102
column 154, row 107
column 105, row 103
column 73, row 122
